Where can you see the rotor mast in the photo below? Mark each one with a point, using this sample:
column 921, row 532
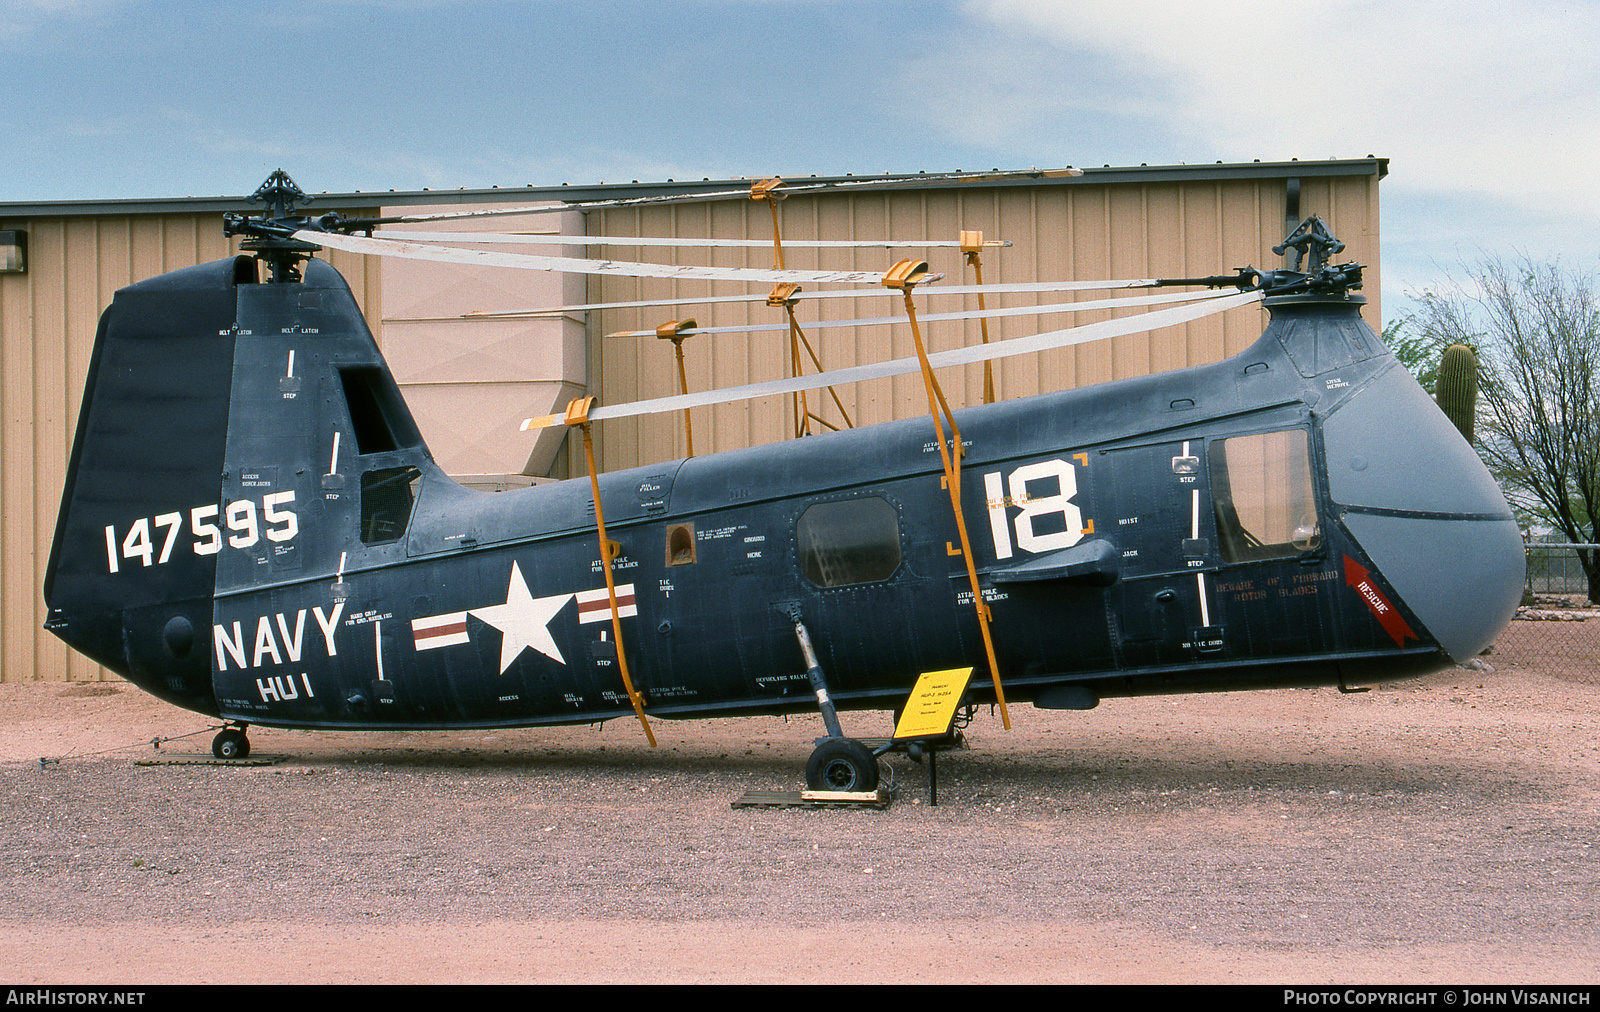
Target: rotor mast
column 271, row 234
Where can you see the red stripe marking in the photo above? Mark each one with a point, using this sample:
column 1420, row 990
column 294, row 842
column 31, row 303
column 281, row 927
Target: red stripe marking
column 604, row 604
column 441, row 630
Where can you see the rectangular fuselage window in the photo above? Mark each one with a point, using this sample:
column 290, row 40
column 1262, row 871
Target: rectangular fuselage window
column 848, row 541
column 1264, row 498
column 387, row 495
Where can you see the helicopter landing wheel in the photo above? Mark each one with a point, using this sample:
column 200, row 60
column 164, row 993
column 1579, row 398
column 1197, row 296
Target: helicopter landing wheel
column 230, row 743
column 842, row 764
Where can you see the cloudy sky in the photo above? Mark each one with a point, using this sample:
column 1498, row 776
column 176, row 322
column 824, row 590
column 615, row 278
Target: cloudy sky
column 1489, row 112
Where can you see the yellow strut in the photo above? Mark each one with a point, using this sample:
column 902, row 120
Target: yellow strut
column 904, row 276
column 784, row 295
column 800, row 414
column 972, row 246
column 578, row 414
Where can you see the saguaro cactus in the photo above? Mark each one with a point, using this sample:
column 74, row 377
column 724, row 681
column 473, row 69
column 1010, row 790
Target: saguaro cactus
column 1457, row 387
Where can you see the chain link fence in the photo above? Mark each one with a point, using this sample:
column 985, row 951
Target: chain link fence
column 1557, row 629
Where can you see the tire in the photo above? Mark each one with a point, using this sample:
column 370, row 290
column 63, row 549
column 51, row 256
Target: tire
column 842, row 764
column 230, row 744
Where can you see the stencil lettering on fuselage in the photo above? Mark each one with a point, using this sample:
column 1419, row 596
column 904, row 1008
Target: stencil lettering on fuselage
column 245, row 529
column 276, row 640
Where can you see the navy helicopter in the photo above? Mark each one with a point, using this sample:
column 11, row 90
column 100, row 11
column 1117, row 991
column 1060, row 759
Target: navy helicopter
column 253, row 528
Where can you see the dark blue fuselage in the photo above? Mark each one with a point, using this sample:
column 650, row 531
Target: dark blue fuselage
column 279, row 548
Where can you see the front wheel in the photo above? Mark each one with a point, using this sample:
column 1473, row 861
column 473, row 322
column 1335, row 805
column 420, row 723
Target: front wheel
column 842, row 764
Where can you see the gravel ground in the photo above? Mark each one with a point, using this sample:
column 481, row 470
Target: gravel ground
column 1439, row 830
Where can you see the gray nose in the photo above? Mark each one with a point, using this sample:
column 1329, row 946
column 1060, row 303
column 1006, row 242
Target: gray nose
column 1462, row 578
column 1423, row 507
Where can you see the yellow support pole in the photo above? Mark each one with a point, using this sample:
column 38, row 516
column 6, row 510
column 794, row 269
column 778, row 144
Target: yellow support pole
column 972, row 246
column 766, row 189
column 578, row 414
column 904, row 276
column 673, row 330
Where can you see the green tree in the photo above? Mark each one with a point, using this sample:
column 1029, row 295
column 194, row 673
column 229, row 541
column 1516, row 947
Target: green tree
column 1536, row 328
column 1418, row 352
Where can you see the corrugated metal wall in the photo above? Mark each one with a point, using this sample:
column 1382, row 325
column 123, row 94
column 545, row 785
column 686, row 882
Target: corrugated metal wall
column 1062, row 231
column 48, row 318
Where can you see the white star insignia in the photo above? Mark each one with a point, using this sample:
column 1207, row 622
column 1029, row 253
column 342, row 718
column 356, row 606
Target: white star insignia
column 523, row 621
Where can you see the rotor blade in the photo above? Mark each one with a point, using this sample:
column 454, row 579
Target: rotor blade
column 552, row 239
column 921, row 179
column 572, row 265
column 957, row 356
column 974, row 314
column 576, row 205
column 923, row 289
column 486, row 314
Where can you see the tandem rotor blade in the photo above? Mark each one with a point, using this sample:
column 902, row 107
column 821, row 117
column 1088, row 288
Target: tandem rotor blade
column 881, row 183
column 973, row 314
column 555, row 239
column 958, row 356
column 573, row 265
column 1026, row 287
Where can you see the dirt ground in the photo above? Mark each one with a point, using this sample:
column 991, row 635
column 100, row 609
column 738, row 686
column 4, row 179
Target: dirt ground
column 1439, row 830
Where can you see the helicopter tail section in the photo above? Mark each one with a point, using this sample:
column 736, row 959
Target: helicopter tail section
column 141, row 499
column 235, row 437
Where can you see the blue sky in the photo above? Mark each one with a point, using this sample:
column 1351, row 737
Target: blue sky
column 1488, row 111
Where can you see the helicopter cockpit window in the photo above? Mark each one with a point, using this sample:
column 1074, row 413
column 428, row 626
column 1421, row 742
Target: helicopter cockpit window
column 1263, row 496
column 848, row 541
column 387, row 495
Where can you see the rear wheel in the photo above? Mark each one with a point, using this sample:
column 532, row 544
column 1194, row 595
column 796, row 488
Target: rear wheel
column 842, row 764
column 230, row 743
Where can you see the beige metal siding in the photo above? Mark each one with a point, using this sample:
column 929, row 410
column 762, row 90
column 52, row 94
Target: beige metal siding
column 48, row 319
column 1080, row 231
column 471, row 381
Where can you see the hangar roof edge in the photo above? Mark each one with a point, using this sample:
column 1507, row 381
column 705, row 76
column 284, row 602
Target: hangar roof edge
column 360, row 199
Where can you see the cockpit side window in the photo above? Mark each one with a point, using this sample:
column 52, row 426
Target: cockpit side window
column 1263, row 496
column 387, row 496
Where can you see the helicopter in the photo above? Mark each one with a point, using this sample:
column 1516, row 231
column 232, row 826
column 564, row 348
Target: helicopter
column 253, row 527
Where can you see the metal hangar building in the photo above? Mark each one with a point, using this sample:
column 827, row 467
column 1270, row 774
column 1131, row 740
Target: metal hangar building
column 478, row 349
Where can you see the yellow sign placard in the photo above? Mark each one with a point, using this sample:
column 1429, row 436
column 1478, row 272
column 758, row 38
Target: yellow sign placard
column 933, row 703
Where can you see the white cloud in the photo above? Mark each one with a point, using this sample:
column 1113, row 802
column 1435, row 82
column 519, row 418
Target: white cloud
column 1011, row 87
column 1493, row 98
column 20, row 19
